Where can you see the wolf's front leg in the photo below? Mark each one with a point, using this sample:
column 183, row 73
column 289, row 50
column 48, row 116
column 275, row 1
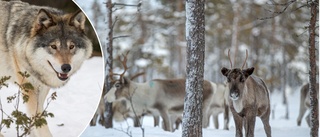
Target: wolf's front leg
column 34, row 106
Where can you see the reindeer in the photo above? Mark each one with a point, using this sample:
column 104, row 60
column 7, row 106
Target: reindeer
column 100, row 111
column 248, row 98
column 305, row 103
column 219, row 105
column 122, row 110
column 157, row 96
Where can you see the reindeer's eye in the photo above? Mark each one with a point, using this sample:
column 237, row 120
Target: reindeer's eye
column 117, row 85
column 242, row 79
column 229, row 80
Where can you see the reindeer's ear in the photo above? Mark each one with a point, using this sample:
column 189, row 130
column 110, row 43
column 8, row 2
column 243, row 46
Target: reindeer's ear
column 247, row 72
column 225, row 71
column 43, row 21
column 78, row 20
column 125, row 80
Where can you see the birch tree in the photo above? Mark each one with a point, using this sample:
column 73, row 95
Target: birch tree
column 108, row 59
column 195, row 37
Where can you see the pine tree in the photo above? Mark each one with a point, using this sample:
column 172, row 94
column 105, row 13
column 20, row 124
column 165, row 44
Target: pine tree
column 313, row 70
column 195, row 37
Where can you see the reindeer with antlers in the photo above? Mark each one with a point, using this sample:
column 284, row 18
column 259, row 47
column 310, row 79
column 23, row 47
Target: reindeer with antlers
column 248, row 98
column 160, row 97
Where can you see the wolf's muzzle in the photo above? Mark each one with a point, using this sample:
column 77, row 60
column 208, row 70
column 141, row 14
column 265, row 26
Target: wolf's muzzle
column 65, row 68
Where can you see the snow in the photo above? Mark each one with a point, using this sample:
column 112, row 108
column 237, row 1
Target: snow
column 142, row 63
column 280, row 127
column 76, row 101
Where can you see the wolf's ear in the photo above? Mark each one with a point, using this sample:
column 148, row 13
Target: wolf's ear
column 43, row 21
column 78, row 20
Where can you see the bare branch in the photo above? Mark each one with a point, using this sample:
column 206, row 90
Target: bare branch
column 123, row 4
column 123, row 36
column 285, row 7
column 113, row 24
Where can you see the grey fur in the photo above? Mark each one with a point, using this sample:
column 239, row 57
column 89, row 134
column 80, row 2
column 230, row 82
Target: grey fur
column 40, row 41
column 305, row 103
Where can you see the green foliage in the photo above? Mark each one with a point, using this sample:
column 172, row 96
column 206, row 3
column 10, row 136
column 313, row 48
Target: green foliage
column 3, row 80
column 22, row 121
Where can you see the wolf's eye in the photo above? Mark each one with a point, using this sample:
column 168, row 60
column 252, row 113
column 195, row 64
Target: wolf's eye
column 53, row 46
column 71, row 47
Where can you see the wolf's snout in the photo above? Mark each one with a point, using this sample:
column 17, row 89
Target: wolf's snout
column 66, row 68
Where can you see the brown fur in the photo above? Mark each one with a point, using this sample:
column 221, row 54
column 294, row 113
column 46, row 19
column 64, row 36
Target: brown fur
column 248, row 98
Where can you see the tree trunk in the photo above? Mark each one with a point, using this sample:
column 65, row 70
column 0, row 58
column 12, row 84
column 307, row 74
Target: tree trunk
column 284, row 83
column 313, row 71
column 235, row 27
column 108, row 63
column 195, row 37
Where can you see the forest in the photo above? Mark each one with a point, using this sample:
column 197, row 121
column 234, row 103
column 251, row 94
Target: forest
column 155, row 35
column 275, row 33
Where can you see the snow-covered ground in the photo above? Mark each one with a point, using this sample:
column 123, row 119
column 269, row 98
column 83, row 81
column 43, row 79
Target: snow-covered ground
column 280, row 127
column 75, row 104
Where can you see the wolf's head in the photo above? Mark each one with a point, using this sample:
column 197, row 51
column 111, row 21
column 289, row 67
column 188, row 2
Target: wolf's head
column 58, row 46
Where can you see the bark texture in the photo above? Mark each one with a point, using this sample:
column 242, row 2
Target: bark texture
column 313, row 70
column 108, row 63
column 195, row 37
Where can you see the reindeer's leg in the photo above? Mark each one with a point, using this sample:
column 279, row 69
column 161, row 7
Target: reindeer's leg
column 101, row 119
column 238, row 121
column 216, row 120
column 250, row 122
column 205, row 113
column 207, row 119
column 156, row 120
column 35, row 106
column 178, row 122
column 166, row 119
column 136, row 121
column 265, row 120
column 226, row 117
column 308, row 119
column 94, row 120
column 303, row 108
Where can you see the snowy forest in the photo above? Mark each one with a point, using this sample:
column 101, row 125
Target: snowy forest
column 154, row 33
column 275, row 33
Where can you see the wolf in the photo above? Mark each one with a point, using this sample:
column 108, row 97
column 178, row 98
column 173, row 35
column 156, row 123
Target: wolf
column 45, row 42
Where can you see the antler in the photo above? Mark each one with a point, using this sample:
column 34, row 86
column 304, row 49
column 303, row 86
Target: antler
column 137, row 75
column 124, row 64
column 245, row 61
column 111, row 74
column 229, row 58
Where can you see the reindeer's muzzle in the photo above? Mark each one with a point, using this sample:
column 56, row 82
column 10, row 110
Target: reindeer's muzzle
column 234, row 95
